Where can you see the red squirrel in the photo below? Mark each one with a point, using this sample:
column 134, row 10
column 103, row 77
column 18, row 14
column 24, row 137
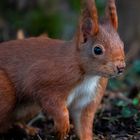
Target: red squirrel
column 64, row 78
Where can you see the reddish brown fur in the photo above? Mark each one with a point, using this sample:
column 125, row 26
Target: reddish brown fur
column 7, row 101
column 89, row 111
column 44, row 71
column 90, row 11
column 111, row 13
column 31, row 78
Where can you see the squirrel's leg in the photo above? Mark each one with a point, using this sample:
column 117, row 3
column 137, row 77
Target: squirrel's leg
column 54, row 105
column 86, row 120
column 32, row 131
column 7, row 101
column 83, row 119
column 26, row 114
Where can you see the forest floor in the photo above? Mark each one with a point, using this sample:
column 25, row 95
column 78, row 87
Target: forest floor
column 118, row 118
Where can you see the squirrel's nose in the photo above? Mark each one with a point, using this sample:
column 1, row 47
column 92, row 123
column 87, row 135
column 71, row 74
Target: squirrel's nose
column 120, row 69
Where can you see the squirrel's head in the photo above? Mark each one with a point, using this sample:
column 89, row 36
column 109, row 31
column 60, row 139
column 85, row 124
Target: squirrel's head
column 101, row 49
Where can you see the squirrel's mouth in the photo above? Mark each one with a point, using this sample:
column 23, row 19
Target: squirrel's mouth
column 110, row 75
column 107, row 73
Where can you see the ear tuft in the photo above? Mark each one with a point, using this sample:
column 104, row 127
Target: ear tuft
column 89, row 19
column 111, row 13
column 86, row 28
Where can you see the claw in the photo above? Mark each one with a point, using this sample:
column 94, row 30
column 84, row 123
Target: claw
column 63, row 135
column 32, row 131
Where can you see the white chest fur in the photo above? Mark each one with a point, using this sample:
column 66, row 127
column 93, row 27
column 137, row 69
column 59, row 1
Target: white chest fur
column 83, row 93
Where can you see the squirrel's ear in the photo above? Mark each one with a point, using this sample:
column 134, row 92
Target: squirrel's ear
column 111, row 13
column 89, row 19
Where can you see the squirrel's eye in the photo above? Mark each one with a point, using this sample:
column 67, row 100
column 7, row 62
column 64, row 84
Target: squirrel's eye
column 98, row 50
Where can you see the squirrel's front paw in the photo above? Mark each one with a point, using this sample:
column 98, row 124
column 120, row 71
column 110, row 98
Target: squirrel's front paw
column 62, row 128
column 31, row 131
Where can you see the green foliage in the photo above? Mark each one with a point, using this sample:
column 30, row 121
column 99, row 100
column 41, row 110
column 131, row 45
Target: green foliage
column 128, row 112
column 133, row 72
column 135, row 101
column 37, row 22
column 120, row 103
column 34, row 20
column 101, row 6
column 131, row 75
column 116, row 84
column 75, row 5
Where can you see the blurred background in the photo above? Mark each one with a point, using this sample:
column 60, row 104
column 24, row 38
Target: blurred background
column 59, row 19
